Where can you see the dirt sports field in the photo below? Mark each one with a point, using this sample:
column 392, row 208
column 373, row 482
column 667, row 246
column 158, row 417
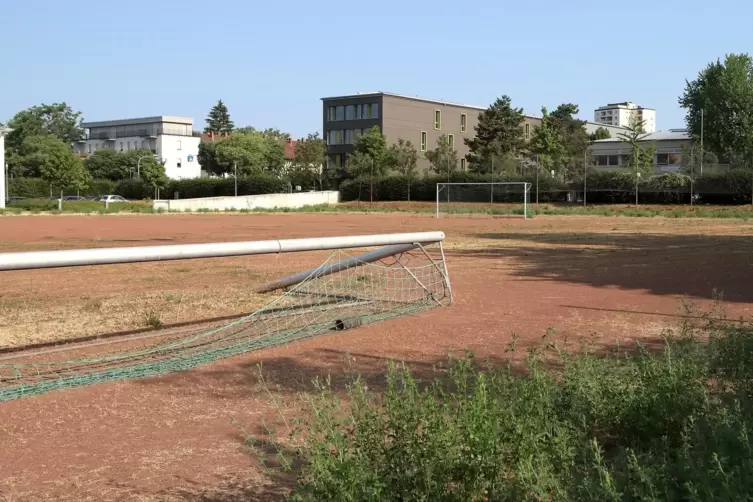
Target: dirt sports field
column 174, row 437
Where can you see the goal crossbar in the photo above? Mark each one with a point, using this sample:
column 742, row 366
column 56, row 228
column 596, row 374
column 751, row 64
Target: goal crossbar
column 135, row 254
column 526, row 188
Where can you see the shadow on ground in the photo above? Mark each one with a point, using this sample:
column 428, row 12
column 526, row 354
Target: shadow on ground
column 696, row 266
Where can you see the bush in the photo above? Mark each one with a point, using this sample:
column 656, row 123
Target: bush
column 79, row 206
column 629, row 426
column 204, row 187
column 395, row 188
column 38, row 188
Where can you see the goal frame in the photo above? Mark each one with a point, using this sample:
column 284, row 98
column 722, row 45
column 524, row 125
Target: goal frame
column 526, row 189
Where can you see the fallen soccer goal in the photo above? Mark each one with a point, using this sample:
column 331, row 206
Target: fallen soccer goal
column 464, row 197
column 407, row 275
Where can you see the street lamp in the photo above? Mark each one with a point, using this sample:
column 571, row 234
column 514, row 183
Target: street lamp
column 138, row 166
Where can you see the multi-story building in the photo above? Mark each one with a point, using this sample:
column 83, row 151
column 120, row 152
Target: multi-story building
column 626, row 114
column 419, row 120
column 170, row 139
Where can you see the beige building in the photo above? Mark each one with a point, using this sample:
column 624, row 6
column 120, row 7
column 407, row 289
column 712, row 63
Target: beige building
column 418, row 120
column 614, row 154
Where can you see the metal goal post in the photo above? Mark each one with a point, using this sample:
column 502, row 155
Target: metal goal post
column 444, row 188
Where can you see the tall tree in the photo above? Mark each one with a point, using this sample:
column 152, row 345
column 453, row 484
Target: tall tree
column 57, row 119
column 308, row 165
column 370, row 154
column 444, row 158
column 723, row 93
column 600, row 133
column 404, row 157
column 547, row 143
column 641, row 158
column 499, row 132
column 218, row 120
column 108, row 164
column 248, row 151
column 56, row 163
column 274, row 133
column 574, row 139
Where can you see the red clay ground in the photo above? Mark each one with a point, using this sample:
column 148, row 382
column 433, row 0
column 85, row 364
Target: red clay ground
column 169, row 438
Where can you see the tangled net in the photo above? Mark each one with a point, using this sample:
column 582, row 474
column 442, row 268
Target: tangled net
column 403, row 284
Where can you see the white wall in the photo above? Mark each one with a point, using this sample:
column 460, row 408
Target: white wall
column 3, row 181
column 264, row 201
column 180, row 151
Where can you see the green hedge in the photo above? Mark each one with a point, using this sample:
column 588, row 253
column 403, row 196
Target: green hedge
column 79, row 206
column 732, row 187
column 204, row 187
column 396, row 188
column 37, row 187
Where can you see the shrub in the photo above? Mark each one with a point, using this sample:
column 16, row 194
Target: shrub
column 673, row 425
column 204, row 187
column 38, row 188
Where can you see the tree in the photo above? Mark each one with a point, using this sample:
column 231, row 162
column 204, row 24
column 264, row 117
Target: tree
column 641, row 158
column 276, row 134
column 207, row 158
column 370, row 155
column 444, row 158
column 218, row 120
column 107, row 164
column 56, row 163
column 723, row 93
column 547, row 142
column 57, row 119
column 308, row 165
column 274, row 154
column 499, row 131
column 403, row 157
column 573, row 137
column 246, row 150
column 600, row 133
column 153, row 173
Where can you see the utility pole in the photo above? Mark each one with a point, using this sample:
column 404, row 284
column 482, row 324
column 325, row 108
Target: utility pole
column 537, row 181
column 585, row 175
column 492, row 198
column 371, row 181
column 235, row 177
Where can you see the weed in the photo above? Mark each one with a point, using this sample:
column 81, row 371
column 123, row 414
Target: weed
column 93, row 306
column 152, row 319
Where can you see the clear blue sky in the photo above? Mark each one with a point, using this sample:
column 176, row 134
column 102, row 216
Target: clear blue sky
column 272, row 61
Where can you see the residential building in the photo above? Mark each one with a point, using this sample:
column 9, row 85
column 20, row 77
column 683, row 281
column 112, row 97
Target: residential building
column 626, row 114
column 421, row 121
column 614, row 153
column 3, row 167
column 170, row 139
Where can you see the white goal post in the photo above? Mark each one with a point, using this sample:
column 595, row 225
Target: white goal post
column 522, row 189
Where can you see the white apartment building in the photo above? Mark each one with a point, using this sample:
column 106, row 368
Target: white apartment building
column 170, row 139
column 625, row 114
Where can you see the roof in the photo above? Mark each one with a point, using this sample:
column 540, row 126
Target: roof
column 142, row 120
column 404, row 96
column 671, row 135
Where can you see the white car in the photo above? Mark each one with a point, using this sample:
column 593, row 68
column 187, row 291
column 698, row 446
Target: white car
column 111, row 198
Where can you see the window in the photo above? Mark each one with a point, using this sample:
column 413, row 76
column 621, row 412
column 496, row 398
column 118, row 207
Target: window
column 423, row 141
column 330, row 113
column 674, row 158
column 179, row 146
column 375, row 111
column 339, row 113
column 337, row 160
column 339, row 137
column 437, row 119
column 121, row 146
column 607, row 160
column 451, row 141
column 129, row 145
column 462, row 164
column 348, row 137
column 662, row 159
column 463, row 122
column 350, row 112
column 179, row 163
column 528, row 131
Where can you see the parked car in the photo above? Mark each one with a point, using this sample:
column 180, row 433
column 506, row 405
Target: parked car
column 111, row 198
column 73, row 197
column 13, row 199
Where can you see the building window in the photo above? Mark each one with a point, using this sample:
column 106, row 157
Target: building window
column 179, row 163
column 121, row 146
column 375, row 111
column 662, row 159
column 89, row 148
column 607, row 160
column 437, row 119
column 674, row 158
column 463, row 122
column 129, row 145
column 339, row 113
column 337, row 160
column 180, row 145
column 350, row 112
column 451, row 141
column 528, row 131
column 423, row 141
column 462, row 164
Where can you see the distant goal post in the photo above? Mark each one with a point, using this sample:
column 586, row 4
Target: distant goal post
column 461, row 197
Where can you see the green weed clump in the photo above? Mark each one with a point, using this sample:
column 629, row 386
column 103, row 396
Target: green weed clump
column 629, row 425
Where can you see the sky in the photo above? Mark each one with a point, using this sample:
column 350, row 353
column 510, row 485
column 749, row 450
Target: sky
column 272, row 62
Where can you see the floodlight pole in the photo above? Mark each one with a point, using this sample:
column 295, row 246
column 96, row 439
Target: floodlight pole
column 585, row 175
column 235, row 177
column 537, row 181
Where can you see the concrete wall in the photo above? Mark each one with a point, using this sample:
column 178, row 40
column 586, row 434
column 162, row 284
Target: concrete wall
column 265, row 201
